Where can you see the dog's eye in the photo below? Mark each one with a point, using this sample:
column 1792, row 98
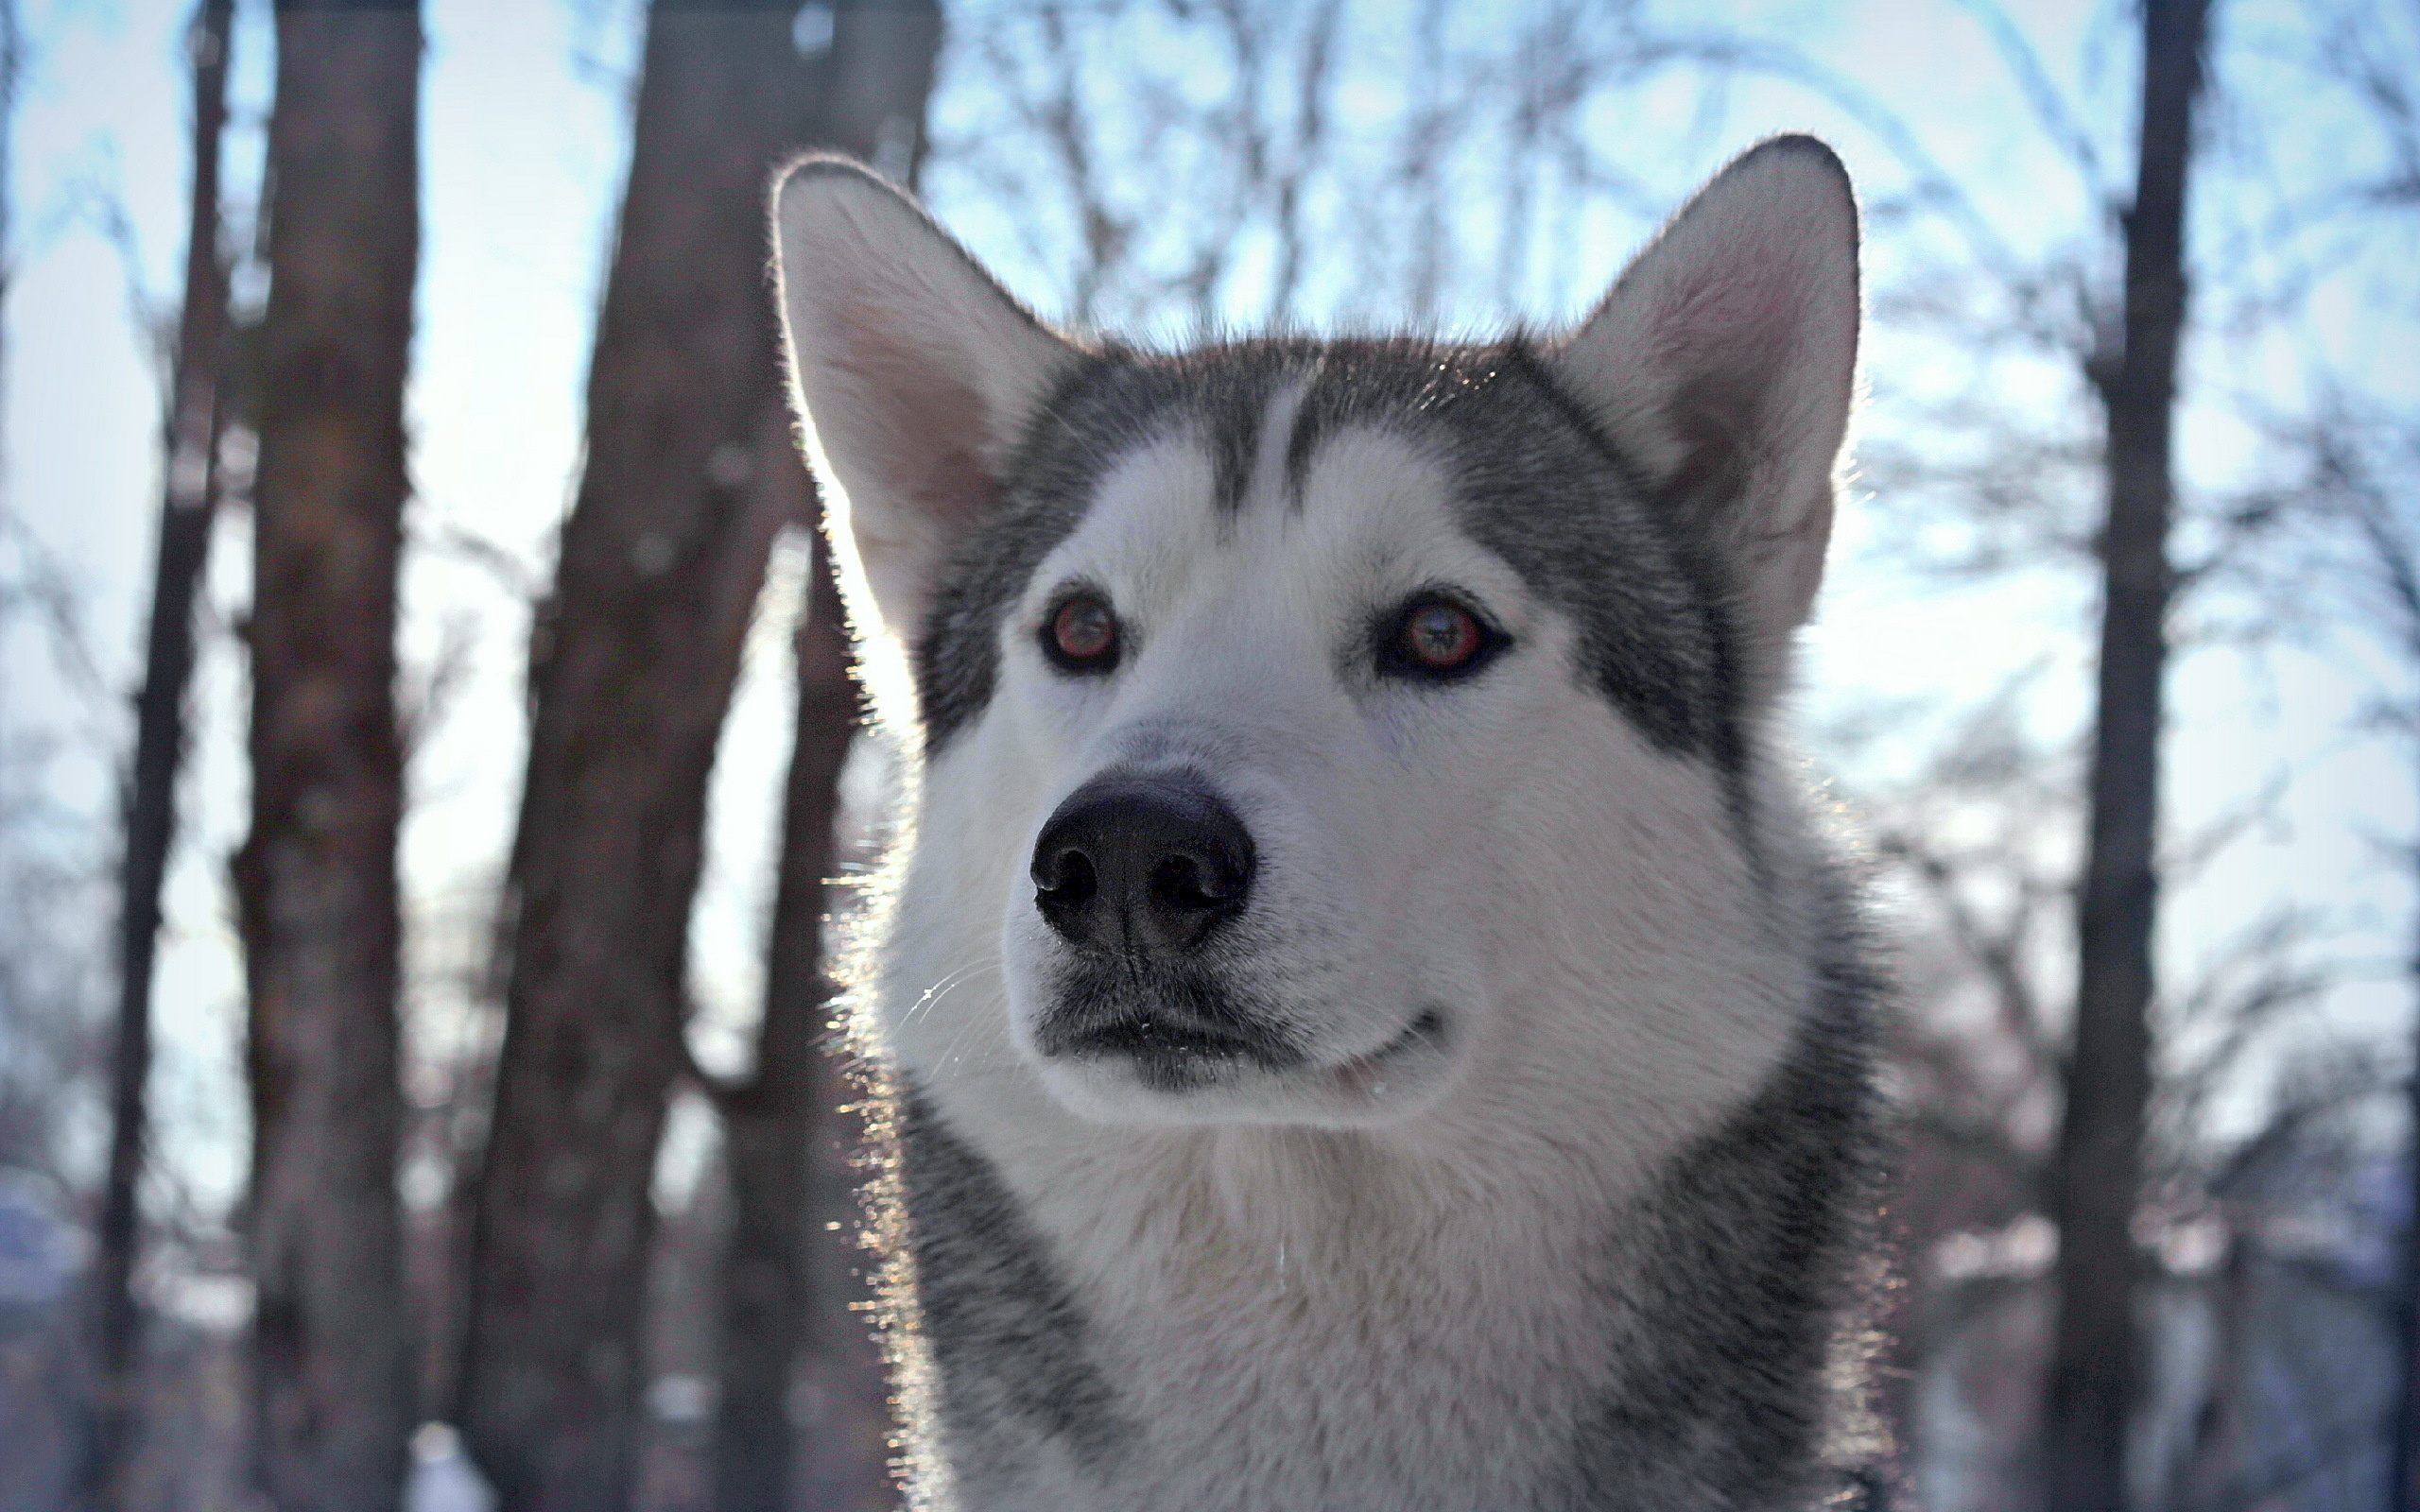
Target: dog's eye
column 1435, row 638
column 1441, row 636
column 1081, row 635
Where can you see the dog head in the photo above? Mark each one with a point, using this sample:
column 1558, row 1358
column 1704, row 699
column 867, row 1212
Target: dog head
column 1303, row 723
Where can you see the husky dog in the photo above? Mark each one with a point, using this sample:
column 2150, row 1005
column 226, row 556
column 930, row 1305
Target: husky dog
column 1365, row 1025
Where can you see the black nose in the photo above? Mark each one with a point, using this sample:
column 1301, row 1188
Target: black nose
column 1144, row 864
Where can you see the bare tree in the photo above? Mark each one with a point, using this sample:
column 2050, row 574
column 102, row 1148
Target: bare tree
column 774, row 1124
column 772, row 1121
column 316, row 879
column 2093, row 1370
column 192, row 427
column 2293, row 1407
column 2364, row 478
column 631, row 672
column 53, row 897
column 34, row 1044
column 2395, row 549
column 1296, row 189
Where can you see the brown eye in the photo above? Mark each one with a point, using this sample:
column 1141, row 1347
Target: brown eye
column 1082, row 635
column 1434, row 637
column 1440, row 637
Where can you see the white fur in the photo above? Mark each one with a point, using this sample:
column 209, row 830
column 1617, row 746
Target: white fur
column 1520, row 854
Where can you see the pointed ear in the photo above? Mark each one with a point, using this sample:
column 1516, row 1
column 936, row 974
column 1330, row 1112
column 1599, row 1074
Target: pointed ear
column 914, row 373
column 1723, row 363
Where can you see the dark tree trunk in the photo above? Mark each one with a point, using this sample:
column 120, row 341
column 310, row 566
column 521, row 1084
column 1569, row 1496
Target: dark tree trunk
column 631, row 677
column 191, row 447
column 771, row 1122
column 316, row 880
column 2096, row 1357
column 2213, row 1473
column 775, row 1125
column 2403, row 1470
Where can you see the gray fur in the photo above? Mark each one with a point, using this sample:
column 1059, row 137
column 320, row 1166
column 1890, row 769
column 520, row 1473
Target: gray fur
column 1111, row 404
column 1006, row 1335
column 1540, row 487
column 1543, row 489
column 1735, row 1259
column 1737, row 1283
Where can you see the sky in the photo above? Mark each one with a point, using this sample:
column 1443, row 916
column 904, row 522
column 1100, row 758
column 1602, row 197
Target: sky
column 526, row 131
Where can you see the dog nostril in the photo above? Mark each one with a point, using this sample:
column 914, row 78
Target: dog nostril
column 1067, row 877
column 1178, row 882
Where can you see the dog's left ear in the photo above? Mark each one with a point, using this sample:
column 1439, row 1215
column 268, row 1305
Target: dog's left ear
column 1723, row 363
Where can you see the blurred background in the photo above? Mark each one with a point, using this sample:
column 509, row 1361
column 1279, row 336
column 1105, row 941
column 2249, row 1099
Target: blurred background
column 428, row 766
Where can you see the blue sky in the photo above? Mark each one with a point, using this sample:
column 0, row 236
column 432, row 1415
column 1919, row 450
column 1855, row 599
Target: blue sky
column 525, row 138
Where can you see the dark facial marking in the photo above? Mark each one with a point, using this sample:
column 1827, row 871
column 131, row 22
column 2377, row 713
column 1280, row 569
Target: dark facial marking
column 1538, row 485
column 1540, row 489
column 1005, row 1328
column 1108, row 406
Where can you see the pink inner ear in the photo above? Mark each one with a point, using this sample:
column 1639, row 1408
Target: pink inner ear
column 1722, row 339
column 927, row 428
column 1741, row 315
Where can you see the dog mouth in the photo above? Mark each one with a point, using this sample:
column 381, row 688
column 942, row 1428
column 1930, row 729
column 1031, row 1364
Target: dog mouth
column 1178, row 1029
column 1176, row 1033
column 1175, row 1057
column 1426, row 1037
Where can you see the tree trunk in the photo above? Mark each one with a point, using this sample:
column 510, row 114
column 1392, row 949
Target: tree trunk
column 630, row 676
column 770, row 1124
column 2096, row 1360
column 2214, row 1470
column 316, row 880
column 186, row 511
column 881, row 74
column 2403, row 1467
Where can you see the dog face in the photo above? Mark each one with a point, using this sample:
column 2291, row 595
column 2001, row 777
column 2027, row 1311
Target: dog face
column 1307, row 725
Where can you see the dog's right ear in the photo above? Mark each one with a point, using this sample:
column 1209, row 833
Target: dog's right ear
column 914, row 374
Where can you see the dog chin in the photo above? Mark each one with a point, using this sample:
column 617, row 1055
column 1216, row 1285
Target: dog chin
column 1134, row 1080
